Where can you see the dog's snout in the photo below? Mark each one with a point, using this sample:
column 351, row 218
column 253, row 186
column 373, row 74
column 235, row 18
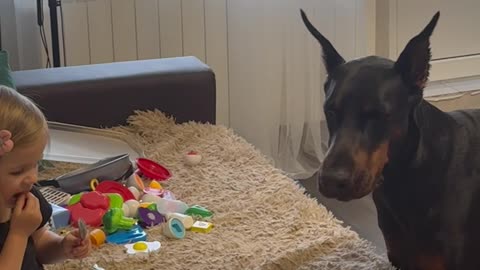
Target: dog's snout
column 337, row 176
column 335, row 181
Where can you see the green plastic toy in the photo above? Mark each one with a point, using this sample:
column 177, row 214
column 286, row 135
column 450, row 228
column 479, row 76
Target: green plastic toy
column 114, row 220
column 116, row 200
column 197, row 210
column 75, row 199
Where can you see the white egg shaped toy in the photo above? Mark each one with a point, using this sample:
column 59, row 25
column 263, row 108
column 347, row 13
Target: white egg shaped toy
column 136, row 193
column 126, row 210
column 142, row 247
column 130, row 208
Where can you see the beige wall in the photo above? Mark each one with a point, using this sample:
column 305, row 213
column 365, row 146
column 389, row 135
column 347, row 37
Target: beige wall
column 467, row 101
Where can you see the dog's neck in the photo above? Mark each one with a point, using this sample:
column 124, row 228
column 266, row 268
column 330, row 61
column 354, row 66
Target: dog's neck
column 425, row 142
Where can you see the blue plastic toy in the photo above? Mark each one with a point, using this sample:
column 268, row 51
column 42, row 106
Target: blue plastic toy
column 127, row 236
column 60, row 217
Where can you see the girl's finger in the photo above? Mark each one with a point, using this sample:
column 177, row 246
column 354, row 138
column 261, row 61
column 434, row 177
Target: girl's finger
column 80, row 253
column 31, row 202
column 86, row 242
column 79, row 249
column 74, row 239
column 75, row 233
column 19, row 204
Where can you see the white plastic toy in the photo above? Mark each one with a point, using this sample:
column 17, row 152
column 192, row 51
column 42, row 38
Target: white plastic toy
column 135, row 181
column 165, row 206
column 193, row 158
column 142, row 247
column 96, row 267
column 130, row 208
column 186, row 220
column 136, row 193
column 150, row 198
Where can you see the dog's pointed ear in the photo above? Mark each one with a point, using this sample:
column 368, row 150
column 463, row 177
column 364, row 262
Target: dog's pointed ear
column 331, row 57
column 414, row 61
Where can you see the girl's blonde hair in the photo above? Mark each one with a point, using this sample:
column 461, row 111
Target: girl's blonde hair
column 21, row 117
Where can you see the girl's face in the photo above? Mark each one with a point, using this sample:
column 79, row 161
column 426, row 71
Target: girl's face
column 18, row 171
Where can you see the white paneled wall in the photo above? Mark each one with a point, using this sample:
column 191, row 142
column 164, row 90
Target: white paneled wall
column 229, row 35
column 215, row 31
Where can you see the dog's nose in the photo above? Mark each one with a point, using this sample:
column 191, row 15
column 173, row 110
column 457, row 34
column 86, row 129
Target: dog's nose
column 335, row 182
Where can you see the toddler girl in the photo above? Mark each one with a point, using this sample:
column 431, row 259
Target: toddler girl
column 25, row 241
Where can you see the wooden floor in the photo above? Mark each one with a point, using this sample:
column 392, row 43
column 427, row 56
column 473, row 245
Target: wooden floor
column 360, row 215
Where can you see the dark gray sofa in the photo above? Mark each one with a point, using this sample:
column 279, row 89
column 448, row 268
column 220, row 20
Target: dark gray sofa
column 104, row 95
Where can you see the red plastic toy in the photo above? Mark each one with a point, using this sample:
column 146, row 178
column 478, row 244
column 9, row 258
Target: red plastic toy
column 91, row 208
column 115, row 187
column 152, row 170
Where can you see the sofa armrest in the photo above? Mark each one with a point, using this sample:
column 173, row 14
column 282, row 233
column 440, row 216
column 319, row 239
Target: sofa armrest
column 104, row 95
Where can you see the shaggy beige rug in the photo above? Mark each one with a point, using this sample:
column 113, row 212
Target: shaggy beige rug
column 263, row 219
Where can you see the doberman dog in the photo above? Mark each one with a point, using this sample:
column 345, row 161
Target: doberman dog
column 422, row 165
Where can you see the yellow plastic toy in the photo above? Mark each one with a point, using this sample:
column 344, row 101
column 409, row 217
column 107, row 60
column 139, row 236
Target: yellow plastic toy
column 201, row 227
column 155, row 185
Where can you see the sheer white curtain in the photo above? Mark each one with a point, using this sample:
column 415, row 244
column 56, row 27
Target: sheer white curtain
column 276, row 80
column 297, row 142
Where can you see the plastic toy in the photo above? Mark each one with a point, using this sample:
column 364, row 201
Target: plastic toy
column 135, row 181
column 97, row 237
column 165, row 206
column 201, row 227
column 186, row 220
column 114, row 220
column 149, row 218
column 152, row 170
column 155, row 185
column 174, row 228
column 135, row 234
column 115, row 187
column 94, row 199
column 198, row 211
column 167, row 194
column 93, row 183
column 60, row 217
column 90, row 207
column 143, row 247
column 152, row 206
column 54, row 196
column 193, row 158
column 96, row 267
column 75, row 199
column 115, row 200
column 150, row 198
column 136, row 193
column 130, row 208
column 154, row 188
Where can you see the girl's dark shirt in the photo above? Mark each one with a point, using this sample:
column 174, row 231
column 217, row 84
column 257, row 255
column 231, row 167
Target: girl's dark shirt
column 30, row 261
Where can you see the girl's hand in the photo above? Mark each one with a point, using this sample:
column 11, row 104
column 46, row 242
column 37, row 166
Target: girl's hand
column 74, row 247
column 26, row 216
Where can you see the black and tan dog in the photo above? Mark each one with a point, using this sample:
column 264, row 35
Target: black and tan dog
column 422, row 165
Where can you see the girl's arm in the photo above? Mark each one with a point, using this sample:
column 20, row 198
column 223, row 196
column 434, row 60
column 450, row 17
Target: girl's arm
column 48, row 246
column 13, row 250
column 53, row 248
